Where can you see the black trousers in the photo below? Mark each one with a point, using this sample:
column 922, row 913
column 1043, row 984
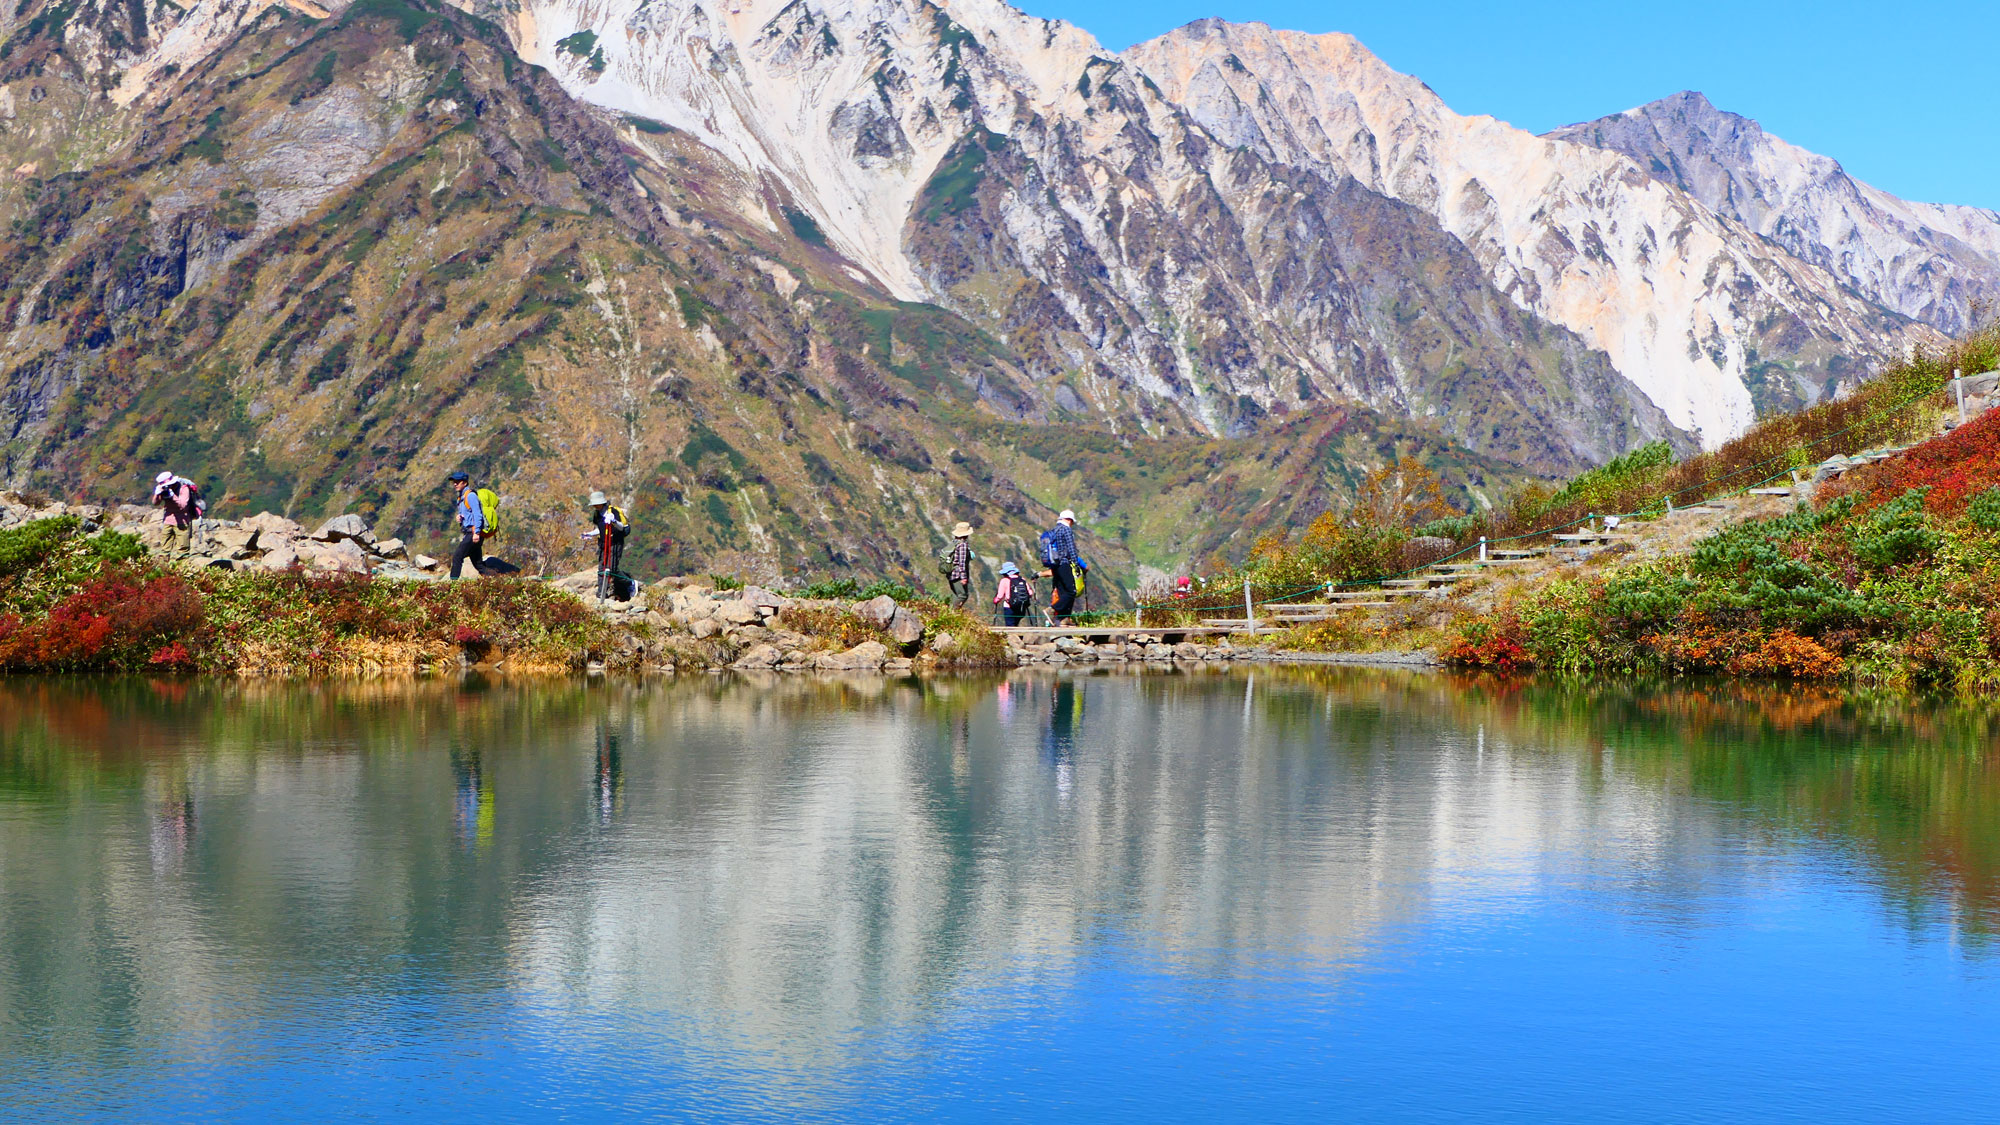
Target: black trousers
column 1065, row 601
column 466, row 551
column 608, row 558
column 1011, row 615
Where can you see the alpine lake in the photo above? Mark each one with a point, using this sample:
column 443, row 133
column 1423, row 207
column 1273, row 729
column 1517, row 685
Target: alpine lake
column 1264, row 894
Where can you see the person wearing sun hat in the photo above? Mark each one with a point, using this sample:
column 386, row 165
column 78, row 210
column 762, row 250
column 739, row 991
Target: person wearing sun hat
column 1059, row 555
column 958, row 571
column 180, row 504
column 609, row 527
column 1015, row 595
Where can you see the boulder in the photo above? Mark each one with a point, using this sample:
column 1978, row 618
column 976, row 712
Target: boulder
column 763, row 599
column 704, row 628
column 945, row 642
column 392, row 549
column 736, row 613
column 1425, row 550
column 345, row 556
column 691, row 604
column 233, row 542
column 759, row 656
column 425, row 562
column 579, row 582
column 877, row 611
column 279, row 558
column 345, row 527
column 274, row 528
column 866, row 656
column 906, row 627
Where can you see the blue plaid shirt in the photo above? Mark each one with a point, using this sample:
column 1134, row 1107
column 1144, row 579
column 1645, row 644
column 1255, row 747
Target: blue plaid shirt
column 1062, row 541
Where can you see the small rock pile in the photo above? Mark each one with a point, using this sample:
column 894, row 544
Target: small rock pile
column 1128, row 648
column 265, row 541
column 749, row 623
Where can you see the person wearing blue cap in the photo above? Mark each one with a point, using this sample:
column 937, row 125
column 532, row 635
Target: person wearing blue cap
column 1015, row 595
column 471, row 524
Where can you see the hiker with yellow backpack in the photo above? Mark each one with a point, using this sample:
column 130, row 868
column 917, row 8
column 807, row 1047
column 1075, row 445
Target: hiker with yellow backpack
column 478, row 517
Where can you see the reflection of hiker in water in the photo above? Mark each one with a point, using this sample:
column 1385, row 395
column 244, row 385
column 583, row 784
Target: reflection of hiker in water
column 610, row 775
column 473, row 799
column 173, row 826
column 1059, row 737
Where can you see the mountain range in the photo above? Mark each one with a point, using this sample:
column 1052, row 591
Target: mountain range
column 808, row 281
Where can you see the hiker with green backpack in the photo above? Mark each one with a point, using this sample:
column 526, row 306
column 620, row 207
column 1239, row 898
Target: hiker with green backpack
column 956, row 564
column 476, row 516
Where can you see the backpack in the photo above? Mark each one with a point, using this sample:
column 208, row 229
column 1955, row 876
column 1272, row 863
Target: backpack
column 489, row 506
column 1048, row 546
column 944, row 562
column 194, row 492
column 1021, row 594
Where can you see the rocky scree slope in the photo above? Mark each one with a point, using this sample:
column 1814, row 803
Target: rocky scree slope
column 1014, row 171
column 1157, row 216
column 1935, row 263
column 329, row 260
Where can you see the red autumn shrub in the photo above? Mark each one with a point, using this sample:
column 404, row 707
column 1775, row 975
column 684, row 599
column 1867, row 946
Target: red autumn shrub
column 121, row 619
column 1955, row 467
column 1489, row 645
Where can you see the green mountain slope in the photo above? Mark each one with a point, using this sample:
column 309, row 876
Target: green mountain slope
column 340, row 258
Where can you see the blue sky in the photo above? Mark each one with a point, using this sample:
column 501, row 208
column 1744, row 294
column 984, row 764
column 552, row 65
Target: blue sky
column 1906, row 95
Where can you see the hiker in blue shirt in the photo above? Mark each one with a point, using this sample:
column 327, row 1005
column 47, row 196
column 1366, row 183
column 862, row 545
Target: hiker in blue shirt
column 471, row 523
column 1059, row 555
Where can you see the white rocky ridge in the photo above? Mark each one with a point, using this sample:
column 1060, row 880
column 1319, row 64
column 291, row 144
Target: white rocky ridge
column 1933, row 262
column 1217, row 135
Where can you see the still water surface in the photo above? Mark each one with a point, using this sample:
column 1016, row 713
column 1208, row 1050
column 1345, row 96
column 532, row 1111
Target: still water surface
column 1287, row 895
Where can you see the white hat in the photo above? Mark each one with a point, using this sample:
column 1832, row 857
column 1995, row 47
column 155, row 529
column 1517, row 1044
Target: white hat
column 1067, row 515
column 597, row 498
column 163, row 478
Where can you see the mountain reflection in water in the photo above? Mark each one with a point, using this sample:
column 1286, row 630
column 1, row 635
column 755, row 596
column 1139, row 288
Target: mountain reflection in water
column 781, row 895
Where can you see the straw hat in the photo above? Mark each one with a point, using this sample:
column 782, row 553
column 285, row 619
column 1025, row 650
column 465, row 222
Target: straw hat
column 597, row 498
column 962, row 530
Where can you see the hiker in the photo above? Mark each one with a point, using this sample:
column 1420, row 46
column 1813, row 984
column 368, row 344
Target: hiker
column 1059, row 555
column 1183, row 587
column 1015, row 595
column 958, row 570
column 180, row 504
column 609, row 527
column 471, row 518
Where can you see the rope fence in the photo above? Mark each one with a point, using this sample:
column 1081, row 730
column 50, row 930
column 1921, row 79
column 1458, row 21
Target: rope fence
column 1485, row 543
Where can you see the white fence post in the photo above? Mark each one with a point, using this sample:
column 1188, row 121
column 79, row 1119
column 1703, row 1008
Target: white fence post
column 1249, row 613
column 1482, row 548
column 1958, row 392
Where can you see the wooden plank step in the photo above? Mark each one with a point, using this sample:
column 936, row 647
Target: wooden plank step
column 1770, row 492
column 1582, row 537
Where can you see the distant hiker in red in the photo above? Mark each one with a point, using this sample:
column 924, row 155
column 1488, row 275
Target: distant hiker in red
column 180, row 505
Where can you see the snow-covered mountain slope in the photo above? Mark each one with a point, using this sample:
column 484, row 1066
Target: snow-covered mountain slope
column 1929, row 261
